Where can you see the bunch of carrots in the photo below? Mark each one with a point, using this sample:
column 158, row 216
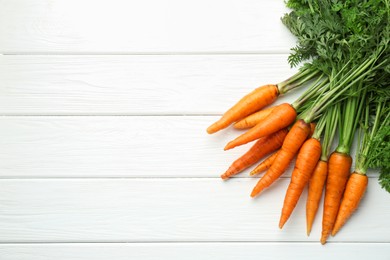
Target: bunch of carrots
column 345, row 92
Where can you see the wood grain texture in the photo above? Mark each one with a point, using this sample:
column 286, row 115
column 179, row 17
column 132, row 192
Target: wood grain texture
column 105, row 146
column 196, row 251
column 122, row 26
column 133, row 84
column 104, row 155
column 135, row 146
column 161, row 210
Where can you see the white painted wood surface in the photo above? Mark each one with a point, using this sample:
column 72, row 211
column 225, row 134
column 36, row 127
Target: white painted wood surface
column 148, row 26
column 175, row 210
column 103, row 150
column 115, row 146
column 133, row 84
column 111, row 146
column 195, row 251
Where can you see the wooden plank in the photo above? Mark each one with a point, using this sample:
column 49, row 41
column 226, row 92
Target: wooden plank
column 151, row 146
column 100, row 146
column 135, row 84
column 163, row 210
column 206, row 251
column 122, row 26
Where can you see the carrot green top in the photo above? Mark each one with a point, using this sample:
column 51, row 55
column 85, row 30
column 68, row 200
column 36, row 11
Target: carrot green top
column 374, row 138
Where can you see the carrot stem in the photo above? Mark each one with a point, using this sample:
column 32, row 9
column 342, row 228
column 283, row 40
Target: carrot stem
column 297, row 83
column 283, row 86
column 355, row 75
column 311, row 92
column 330, row 131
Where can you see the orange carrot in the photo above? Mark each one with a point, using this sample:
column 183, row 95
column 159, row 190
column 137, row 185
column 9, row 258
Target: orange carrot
column 316, row 186
column 356, row 186
column 253, row 119
column 254, row 101
column 312, row 128
column 264, row 165
column 280, row 117
column 328, row 123
column 339, row 165
column 293, row 141
column 307, row 159
column 262, row 147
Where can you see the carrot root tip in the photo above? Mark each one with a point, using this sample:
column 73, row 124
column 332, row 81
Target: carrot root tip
column 256, row 192
column 228, row 146
column 210, row 130
column 308, row 230
column 282, row 222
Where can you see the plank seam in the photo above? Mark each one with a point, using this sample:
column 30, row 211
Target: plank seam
column 281, row 52
column 136, row 178
column 191, row 242
column 111, row 115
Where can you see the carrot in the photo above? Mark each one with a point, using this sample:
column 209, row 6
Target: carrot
column 339, row 165
column 252, row 102
column 307, row 159
column 356, row 186
column 293, row 141
column 316, row 185
column 312, row 128
column 264, row 165
column 262, row 147
column 254, row 119
column 280, row 117
column 372, row 151
column 262, row 97
column 328, row 123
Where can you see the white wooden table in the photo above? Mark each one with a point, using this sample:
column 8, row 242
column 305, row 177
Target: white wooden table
column 103, row 148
